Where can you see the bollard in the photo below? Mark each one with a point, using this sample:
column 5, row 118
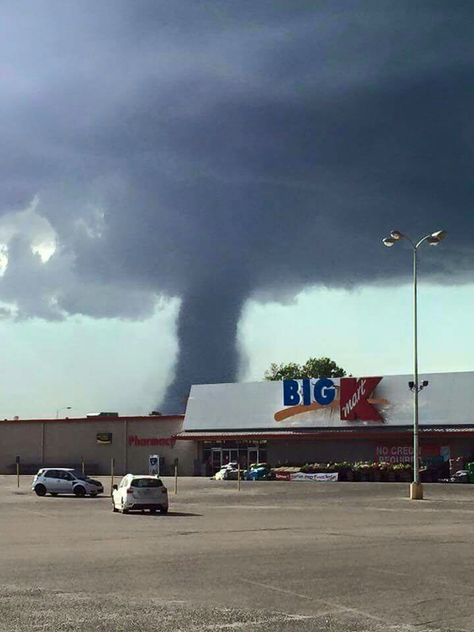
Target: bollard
column 17, row 461
column 112, row 464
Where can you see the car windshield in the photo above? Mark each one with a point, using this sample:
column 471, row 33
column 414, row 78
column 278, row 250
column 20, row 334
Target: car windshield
column 146, row 482
column 79, row 475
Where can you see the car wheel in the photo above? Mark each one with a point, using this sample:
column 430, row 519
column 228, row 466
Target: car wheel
column 164, row 510
column 40, row 490
column 79, row 491
column 152, row 509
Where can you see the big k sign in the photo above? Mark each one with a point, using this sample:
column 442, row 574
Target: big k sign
column 327, row 403
column 350, row 397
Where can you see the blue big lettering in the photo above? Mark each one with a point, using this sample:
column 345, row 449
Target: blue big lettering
column 306, row 391
column 324, row 391
column 291, row 396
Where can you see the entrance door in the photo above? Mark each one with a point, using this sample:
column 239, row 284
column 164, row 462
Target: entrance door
column 229, row 456
column 223, row 456
column 252, row 456
column 216, row 459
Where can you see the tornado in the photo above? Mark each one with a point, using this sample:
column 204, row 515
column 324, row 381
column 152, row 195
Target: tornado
column 207, row 334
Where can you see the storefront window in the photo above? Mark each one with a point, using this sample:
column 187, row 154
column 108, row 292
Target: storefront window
column 216, row 455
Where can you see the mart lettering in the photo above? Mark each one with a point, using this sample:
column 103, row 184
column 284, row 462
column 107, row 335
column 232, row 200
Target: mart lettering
column 354, row 399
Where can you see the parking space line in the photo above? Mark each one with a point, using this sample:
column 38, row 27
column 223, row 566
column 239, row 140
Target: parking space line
column 336, row 607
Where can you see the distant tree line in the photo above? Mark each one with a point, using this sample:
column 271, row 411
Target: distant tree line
column 313, row 367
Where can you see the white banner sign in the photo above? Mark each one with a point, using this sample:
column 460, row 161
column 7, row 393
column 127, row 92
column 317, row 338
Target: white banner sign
column 320, row 476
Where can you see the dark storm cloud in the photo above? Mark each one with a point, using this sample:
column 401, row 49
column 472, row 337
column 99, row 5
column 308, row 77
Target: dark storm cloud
column 217, row 150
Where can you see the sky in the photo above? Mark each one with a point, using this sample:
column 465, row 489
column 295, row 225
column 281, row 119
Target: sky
column 191, row 191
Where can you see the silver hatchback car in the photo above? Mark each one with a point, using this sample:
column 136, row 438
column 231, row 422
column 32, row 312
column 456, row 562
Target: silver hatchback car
column 62, row 480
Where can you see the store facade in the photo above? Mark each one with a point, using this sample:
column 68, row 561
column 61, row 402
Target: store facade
column 282, row 423
column 95, row 441
column 320, row 420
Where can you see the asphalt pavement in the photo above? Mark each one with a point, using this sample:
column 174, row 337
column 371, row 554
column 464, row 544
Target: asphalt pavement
column 274, row 556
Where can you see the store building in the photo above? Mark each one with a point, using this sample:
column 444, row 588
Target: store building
column 96, row 440
column 282, row 423
column 320, row 420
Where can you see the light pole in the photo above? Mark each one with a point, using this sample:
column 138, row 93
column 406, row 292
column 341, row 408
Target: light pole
column 433, row 239
column 60, row 409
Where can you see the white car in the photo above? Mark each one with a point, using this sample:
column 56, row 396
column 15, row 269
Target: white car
column 63, row 480
column 140, row 492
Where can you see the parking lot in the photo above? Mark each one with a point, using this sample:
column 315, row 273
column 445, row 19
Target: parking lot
column 339, row 557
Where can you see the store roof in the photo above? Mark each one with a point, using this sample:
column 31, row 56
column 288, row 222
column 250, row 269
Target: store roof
column 96, row 418
column 322, row 433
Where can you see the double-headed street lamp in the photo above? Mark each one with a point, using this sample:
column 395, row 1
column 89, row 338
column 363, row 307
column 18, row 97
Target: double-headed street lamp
column 433, row 239
column 60, row 409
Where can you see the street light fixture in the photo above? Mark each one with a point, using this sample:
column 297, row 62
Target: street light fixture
column 433, row 239
column 60, row 409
